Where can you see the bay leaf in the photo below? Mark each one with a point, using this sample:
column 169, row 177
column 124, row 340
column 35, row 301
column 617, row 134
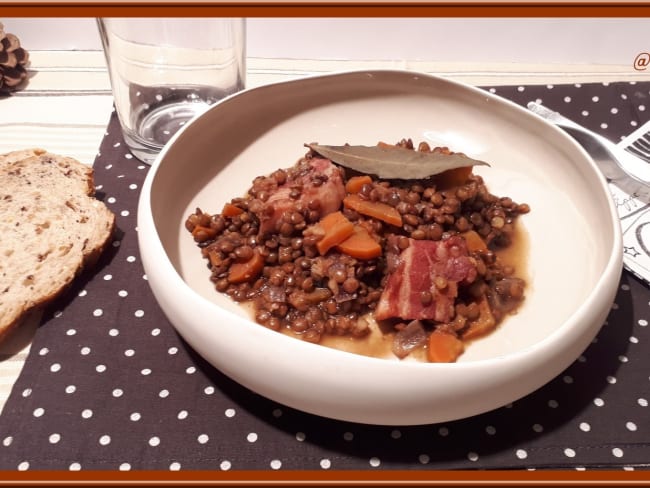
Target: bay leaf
column 394, row 162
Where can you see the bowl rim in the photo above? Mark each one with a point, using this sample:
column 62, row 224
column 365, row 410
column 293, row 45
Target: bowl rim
column 601, row 290
column 612, row 268
column 574, row 327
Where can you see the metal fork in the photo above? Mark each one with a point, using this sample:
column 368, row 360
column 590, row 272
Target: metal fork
column 640, row 145
column 625, row 169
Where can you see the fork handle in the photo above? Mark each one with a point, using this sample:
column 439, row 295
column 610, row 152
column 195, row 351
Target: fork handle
column 544, row 112
column 557, row 118
column 632, row 166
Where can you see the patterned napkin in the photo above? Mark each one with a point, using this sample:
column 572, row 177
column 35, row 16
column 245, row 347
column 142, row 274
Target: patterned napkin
column 635, row 212
column 110, row 385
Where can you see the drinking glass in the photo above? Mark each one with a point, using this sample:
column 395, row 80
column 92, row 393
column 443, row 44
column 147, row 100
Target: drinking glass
column 165, row 71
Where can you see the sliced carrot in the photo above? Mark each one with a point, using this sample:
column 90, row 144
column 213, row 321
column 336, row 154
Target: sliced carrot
column 378, row 210
column 453, row 177
column 246, row 270
column 485, row 322
column 474, row 241
column 355, row 183
column 444, row 347
column 230, row 210
column 360, row 245
column 202, row 233
column 335, row 228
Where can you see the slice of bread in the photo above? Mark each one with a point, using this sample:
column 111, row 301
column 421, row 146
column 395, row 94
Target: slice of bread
column 51, row 229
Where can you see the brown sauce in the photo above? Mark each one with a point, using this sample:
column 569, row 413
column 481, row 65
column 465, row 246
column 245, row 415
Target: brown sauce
column 263, row 252
column 378, row 343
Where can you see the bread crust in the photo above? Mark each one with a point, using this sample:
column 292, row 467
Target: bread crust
column 52, row 228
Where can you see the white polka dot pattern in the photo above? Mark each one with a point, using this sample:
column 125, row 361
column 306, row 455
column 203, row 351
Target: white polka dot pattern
column 109, row 384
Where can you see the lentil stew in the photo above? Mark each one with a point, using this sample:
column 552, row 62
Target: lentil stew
column 320, row 251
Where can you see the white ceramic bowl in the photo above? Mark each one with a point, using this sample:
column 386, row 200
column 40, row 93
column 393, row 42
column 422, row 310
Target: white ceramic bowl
column 574, row 262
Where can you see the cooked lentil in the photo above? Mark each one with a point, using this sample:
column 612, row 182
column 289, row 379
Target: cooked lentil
column 315, row 295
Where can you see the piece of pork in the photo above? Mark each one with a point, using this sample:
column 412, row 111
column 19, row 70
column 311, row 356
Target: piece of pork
column 424, row 282
column 318, row 185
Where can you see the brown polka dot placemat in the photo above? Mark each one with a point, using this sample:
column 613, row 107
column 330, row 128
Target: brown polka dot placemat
column 109, row 384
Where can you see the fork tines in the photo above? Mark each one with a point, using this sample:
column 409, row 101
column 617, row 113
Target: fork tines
column 640, row 147
column 638, row 142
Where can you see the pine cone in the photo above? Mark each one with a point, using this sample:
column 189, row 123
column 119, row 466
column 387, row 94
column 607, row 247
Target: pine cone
column 13, row 60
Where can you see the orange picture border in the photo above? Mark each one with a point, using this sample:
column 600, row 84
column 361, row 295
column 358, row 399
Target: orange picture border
column 435, row 478
column 261, row 8
column 286, row 478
